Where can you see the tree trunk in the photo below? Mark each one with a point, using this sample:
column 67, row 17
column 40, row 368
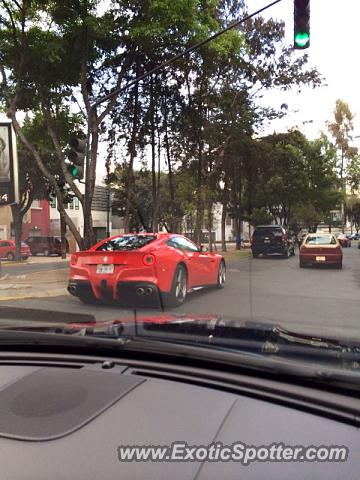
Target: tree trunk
column 130, row 169
column 63, row 234
column 155, row 220
column 173, row 222
column 210, row 227
column 223, row 226
column 17, row 222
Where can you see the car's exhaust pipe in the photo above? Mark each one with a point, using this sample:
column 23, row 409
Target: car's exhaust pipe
column 140, row 291
column 148, row 291
column 72, row 289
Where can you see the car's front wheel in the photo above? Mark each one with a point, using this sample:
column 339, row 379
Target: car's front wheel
column 10, row 256
column 179, row 287
column 221, row 278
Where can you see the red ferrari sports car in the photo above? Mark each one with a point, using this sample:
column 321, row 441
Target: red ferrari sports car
column 134, row 266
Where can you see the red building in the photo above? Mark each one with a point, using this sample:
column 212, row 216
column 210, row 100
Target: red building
column 37, row 220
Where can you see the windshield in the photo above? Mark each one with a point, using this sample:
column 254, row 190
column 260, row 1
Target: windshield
column 183, row 162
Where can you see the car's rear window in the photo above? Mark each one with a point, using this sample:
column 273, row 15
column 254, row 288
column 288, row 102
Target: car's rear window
column 259, row 232
column 23, row 244
column 321, row 240
column 126, row 242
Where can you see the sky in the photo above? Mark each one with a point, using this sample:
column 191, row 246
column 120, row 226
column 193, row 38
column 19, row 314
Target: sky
column 334, row 40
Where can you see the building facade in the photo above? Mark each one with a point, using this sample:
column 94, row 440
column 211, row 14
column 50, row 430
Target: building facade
column 36, row 221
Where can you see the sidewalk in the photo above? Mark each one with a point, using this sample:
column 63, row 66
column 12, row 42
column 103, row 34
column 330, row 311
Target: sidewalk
column 51, row 283
column 37, row 259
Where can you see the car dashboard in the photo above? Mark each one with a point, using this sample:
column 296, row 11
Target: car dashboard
column 65, row 416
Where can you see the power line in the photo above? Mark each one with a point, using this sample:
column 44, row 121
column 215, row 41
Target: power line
column 182, row 54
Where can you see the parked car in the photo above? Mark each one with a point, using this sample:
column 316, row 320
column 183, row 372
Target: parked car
column 144, row 267
column 321, row 249
column 271, row 239
column 344, row 241
column 354, row 236
column 7, row 250
column 45, row 245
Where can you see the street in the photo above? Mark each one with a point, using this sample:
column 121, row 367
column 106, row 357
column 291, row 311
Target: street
column 271, row 289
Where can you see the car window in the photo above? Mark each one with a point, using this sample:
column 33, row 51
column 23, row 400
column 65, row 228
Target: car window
column 266, row 231
column 126, row 242
column 183, row 244
column 321, row 240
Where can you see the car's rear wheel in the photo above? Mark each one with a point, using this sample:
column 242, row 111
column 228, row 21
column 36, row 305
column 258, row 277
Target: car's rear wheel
column 221, row 278
column 339, row 266
column 179, row 287
column 302, row 264
column 255, row 255
column 286, row 253
column 10, row 256
column 25, row 257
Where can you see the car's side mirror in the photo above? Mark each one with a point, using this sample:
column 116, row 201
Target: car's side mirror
column 204, row 248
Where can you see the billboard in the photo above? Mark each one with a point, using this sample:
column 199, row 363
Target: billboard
column 9, row 187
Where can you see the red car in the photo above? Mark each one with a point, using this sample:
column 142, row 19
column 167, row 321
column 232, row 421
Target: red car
column 344, row 240
column 7, row 250
column 321, row 249
column 135, row 266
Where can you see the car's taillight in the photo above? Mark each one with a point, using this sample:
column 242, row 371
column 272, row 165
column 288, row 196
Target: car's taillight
column 73, row 259
column 149, row 259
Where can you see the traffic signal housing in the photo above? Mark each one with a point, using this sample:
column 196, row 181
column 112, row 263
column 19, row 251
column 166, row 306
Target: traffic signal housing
column 301, row 24
column 76, row 155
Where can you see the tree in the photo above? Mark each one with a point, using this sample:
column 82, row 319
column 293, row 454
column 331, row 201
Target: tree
column 32, row 186
column 352, row 208
column 306, row 216
column 260, row 216
column 341, row 129
column 355, row 214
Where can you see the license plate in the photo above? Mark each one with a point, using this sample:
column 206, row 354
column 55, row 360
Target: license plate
column 267, row 240
column 105, row 269
column 320, row 259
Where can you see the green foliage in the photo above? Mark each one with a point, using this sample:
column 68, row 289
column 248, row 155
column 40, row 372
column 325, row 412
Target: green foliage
column 260, row 216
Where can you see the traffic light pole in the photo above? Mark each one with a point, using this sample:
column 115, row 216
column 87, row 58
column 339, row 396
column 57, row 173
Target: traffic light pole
column 117, row 91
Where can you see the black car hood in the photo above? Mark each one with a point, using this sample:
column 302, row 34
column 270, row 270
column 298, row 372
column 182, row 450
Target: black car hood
column 266, row 338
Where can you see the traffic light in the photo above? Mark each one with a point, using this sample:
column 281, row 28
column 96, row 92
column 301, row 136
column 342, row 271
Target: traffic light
column 9, row 174
column 301, row 24
column 76, row 155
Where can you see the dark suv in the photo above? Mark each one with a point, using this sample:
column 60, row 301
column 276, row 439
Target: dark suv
column 45, row 245
column 268, row 239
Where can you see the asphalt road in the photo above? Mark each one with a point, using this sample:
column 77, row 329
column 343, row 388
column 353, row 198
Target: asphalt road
column 315, row 300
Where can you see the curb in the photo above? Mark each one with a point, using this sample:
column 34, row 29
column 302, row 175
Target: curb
column 57, row 293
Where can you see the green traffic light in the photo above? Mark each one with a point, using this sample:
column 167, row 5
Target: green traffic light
column 73, row 171
column 302, row 39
